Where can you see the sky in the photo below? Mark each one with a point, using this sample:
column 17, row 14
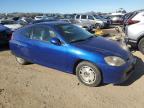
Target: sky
column 69, row 6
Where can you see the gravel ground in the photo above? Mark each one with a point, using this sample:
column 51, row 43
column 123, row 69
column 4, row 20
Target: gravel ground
column 34, row 86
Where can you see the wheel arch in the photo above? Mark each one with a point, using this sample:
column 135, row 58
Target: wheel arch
column 141, row 36
column 75, row 65
column 82, row 60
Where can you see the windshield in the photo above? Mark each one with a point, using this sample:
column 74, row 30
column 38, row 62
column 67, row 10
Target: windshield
column 72, row 33
column 98, row 17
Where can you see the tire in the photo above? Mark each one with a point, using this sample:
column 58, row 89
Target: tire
column 141, row 45
column 98, row 26
column 21, row 61
column 90, row 78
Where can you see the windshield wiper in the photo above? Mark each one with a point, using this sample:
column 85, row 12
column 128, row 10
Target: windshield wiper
column 90, row 37
column 77, row 40
column 82, row 39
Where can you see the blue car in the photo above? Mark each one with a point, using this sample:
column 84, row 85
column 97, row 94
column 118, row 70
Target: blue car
column 68, row 48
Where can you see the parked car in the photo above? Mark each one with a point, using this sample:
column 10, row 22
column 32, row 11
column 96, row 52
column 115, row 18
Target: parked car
column 44, row 17
column 15, row 18
column 5, row 35
column 135, row 30
column 40, row 17
column 69, row 48
column 69, row 16
column 24, row 21
column 66, row 20
column 109, row 21
column 106, row 22
column 126, row 17
column 40, row 21
column 89, row 20
column 11, row 24
column 81, row 21
column 116, row 19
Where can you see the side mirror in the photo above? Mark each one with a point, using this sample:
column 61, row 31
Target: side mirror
column 55, row 41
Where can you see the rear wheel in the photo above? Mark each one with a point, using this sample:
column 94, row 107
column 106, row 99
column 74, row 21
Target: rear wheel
column 21, row 61
column 88, row 74
column 141, row 45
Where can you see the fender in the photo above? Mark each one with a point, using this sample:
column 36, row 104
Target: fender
column 141, row 35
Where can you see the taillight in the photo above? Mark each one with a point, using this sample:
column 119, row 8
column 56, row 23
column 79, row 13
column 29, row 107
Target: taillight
column 130, row 22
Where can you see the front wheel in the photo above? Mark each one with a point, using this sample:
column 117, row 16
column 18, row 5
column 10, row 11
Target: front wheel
column 88, row 74
column 98, row 26
column 141, row 45
column 21, row 61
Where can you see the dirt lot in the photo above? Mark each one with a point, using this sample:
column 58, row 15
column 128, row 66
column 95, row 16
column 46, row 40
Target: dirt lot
column 34, row 86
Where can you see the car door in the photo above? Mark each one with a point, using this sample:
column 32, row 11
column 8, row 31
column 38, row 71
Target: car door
column 19, row 43
column 43, row 51
column 84, row 20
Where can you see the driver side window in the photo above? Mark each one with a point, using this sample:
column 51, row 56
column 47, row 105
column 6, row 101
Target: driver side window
column 42, row 33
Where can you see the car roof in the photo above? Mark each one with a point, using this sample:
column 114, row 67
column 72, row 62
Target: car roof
column 53, row 23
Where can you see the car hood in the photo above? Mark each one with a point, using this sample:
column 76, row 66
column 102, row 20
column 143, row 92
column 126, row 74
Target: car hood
column 103, row 46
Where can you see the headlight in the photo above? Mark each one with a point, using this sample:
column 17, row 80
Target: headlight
column 114, row 61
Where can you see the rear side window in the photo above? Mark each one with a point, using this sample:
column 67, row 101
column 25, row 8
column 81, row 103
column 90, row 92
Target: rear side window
column 78, row 16
column 42, row 33
column 90, row 17
column 83, row 17
column 133, row 15
column 26, row 32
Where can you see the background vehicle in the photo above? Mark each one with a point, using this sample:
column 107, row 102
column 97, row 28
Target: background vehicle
column 105, row 20
column 83, row 22
column 13, row 25
column 109, row 21
column 66, row 20
column 125, row 18
column 40, row 21
column 44, row 17
column 117, row 18
column 5, row 35
column 40, row 17
column 89, row 20
column 135, row 30
column 24, row 21
column 69, row 48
